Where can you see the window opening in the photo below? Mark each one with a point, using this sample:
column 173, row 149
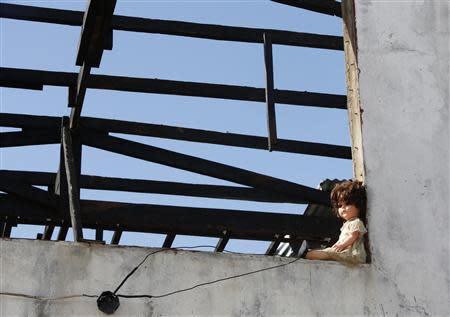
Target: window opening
column 62, row 208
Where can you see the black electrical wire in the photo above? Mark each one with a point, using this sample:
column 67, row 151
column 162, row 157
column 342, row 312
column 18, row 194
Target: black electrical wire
column 147, row 295
column 208, row 283
column 158, row 251
column 46, row 298
column 197, row 285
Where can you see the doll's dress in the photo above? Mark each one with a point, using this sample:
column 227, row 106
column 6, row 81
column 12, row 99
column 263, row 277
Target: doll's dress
column 355, row 253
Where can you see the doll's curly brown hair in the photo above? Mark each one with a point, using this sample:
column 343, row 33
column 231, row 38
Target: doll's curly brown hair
column 350, row 193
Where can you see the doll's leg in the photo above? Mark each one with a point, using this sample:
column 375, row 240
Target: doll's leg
column 318, row 255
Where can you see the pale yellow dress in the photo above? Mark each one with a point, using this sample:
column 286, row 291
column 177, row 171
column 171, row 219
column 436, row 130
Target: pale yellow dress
column 355, row 253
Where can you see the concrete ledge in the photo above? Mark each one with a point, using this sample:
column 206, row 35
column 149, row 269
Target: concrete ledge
column 52, row 269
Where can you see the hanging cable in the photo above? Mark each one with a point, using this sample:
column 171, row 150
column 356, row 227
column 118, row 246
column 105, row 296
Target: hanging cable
column 158, row 251
column 108, row 302
column 210, row 282
column 43, row 298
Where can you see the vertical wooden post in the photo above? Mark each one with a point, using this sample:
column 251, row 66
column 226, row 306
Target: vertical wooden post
column 352, row 76
column 223, row 241
column 72, row 175
column 274, row 245
column 6, row 227
column 6, row 230
column 99, row 234
column 116, row 237
column 62, row 233
column 72, row 96
column 169, row 240
column 61, row 191
column 48, row 232
column 270, row 99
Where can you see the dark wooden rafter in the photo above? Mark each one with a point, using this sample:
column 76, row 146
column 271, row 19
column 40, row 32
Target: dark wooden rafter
column 93, row 40
column 72, row 96
column 28, row 192
column 61, row 190
column 6, row 225
column 270, row 100
column 60, row 182
column 116, row 236
column 168, row 241
column 184, row 189
column 227, row 33
column 49, row 229
column 204, row 167
column 80, row 93
column 214, row 137
column 172, row 87
column 183, row 220
column 62, row 234
column 189, row 29
column 179, row 133
column 48, row 232
column 99, row 234
column 329, row 7
column 222, row 243
column 21, row 85
column 6, row 229
column 219, row 138
column 72, row 182
column 95, row 36
column 157, row 187
column 29, row 137
column 25, row 121
column 274, row 245
column 42, row 77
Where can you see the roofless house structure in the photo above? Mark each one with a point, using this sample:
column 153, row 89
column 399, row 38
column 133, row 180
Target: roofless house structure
column 397, row 70
column 61, row 206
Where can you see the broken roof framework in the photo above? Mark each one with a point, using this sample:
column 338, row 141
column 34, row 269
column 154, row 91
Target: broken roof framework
column 61, row 206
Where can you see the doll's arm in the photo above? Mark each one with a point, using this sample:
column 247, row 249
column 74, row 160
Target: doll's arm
column 348, row 242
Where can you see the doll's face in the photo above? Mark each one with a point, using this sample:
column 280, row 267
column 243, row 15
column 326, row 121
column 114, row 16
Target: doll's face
column 348, row 212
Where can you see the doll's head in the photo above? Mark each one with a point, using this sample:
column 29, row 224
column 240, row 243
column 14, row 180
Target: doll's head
column 349, row 193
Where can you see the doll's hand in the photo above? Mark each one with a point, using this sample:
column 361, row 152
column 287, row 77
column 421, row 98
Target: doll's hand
column 339, row 247
column 346, row 243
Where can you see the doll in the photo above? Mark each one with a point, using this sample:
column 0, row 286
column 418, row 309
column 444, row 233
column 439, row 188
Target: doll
column 349, row 203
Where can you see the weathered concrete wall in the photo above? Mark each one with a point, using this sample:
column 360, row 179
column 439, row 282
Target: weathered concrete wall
column 62, row 268
column 403, row 52
column 404, row 93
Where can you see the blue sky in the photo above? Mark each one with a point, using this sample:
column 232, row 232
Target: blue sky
column 43, row 46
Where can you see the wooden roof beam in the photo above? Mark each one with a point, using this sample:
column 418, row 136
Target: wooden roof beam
column 168, row 241
column 204, row 167
column 28, row 137
column 179, row 28
column 94, row 32
column 155, row 187
column 274, row 245
column 71, row 174
column 93, row 40
column 180, row 133
column 28, row 192
column 253, row 225
column 270, row 98
column 329, row 7
column 223, row 241
column 172, row 87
